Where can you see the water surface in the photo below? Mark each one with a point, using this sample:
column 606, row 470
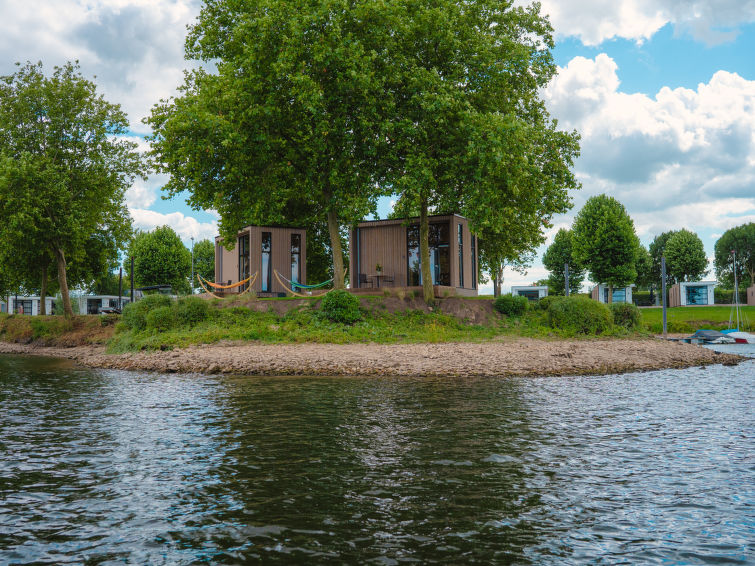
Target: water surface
column 114, row 467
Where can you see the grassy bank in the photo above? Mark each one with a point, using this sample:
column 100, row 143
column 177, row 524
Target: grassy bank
column 690, row 319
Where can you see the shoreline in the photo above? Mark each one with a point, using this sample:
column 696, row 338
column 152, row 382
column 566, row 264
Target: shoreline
column 511, row 357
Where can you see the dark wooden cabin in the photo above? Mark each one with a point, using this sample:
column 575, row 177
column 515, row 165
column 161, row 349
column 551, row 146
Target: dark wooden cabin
column 385, row 253
column 263, row 249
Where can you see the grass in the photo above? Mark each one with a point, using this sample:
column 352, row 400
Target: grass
column 690, row 319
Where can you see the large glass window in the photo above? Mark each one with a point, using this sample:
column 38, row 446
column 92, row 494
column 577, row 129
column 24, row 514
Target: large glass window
column 440, row 260
column 243, row 247
column 619, row 295
column 93, row 306
column 267, row 248
column 697, row 295
column 529, row 295
column 461, row 254
column 295, row 258
column 473, row 251
column 22, row 307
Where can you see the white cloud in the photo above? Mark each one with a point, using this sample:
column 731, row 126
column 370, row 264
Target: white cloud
column 185, row 226
column 595, row 21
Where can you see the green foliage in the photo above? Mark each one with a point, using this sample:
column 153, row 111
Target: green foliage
column 579, row 315
column 685, row 257
column 657, row 249
column 742, row 239
column 545, row 303
column 204, row 260
column 63, row 178
column 644, row 267
column 511, row 305
column 341, row 306
column 560, row 252
column 135, row 314
column 605, row 242
column 625, row 315
column 160, row 258
column 191, row 311
column 161, row 319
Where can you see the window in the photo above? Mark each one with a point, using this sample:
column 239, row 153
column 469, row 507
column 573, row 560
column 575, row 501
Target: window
column 440, row 260
column 243, row 247
column 296, row 258
column 22, row 306
column 267, row 248
column 461, row 255
column 619, row 295
column 697, row 295
column 474, row 261
column 93, row 306
column 529, row 295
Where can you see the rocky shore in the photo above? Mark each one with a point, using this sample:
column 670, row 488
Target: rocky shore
column 515, row 357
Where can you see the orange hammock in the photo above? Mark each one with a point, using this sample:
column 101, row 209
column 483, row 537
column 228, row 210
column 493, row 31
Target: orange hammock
column 250, row 279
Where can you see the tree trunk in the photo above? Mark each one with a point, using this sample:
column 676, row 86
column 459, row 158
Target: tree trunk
column 610, row 294
column 499, row 280
column 335, row 246
column 424, row 252
column 61, row 259
column 43, row 292
column 496, row 290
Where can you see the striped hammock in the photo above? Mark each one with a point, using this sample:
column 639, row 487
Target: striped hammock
column 292, row 286
column 202, row 282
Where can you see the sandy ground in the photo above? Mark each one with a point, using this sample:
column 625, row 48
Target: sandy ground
column 514, row 357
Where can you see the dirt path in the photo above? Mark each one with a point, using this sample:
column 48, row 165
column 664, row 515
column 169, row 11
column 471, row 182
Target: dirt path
column 500, row 358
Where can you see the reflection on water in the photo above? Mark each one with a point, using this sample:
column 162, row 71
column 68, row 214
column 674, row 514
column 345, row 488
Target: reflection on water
column 146, row 468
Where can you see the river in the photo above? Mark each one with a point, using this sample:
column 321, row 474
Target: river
column 121, row 467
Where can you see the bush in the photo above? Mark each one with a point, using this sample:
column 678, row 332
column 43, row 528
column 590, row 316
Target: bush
column 579, row 315
column 545, row 302
column 341, row 306
column 625, row 315
column 511, row 305
column 192, row 310
column 135, row 314
column 161, row 318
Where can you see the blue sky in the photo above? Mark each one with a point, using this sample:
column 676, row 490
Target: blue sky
column 662, row 92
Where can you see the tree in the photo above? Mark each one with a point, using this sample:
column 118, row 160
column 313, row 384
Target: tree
column 204, row 259
column 160, row 258
column 742, row 240
column 644, row 268
column 470, row 133
column 657, row 250
column 295, row 112
column 685, row 257
column 558, row 254
column 63, row 169
column 605, row 242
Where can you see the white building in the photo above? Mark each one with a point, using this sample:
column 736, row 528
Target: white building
column 83, row 304
column 620, row 294
column 531, row 292
column 692, row 293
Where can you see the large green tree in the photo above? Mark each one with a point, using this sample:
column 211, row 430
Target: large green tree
column 605, row 242
column 644, row 267
column 64, row 169
column 160, row 258
column 295, row 112
column 740, row 239
column 204, row 260
column 685, row 257
column 657, row 250
column 470, row 133
column 558, row 254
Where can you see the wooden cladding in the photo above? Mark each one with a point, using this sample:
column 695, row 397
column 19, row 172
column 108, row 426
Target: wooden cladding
column 285, row 249
column 384, row 244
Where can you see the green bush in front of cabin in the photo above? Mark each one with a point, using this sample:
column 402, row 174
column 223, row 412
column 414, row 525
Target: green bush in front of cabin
column 579, row 315
column 511, row 305
column 161, row 319
column 341, row 306
column 625, row 315
column 134, row 315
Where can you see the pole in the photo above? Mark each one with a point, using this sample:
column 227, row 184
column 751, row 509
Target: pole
column 132, row 279
column 566, row 277
column 663, row 286
column 736, row 287
column 192, row 265
column 120, row 289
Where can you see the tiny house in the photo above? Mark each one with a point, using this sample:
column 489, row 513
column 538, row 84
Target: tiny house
column 386, row 253
column 751, row 295
column 263, row 250
column 530, row 292
column 620, row 294
column 692, row 293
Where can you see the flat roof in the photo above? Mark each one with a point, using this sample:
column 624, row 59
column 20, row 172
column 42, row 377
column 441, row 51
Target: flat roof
column 407, row 218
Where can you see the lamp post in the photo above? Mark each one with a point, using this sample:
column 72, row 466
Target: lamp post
column 192, row 265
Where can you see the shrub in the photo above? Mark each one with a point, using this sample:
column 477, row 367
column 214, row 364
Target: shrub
column 545, row 302
column 161, row 318
column 192, row 310
column 135, row 314
column 341, row 306
column 625, row 315
column 511, row 305
column 579, row 315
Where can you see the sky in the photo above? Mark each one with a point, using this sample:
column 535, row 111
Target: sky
column 661, row 91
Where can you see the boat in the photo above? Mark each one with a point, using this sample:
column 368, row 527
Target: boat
column 740, row 337
column 712, row 337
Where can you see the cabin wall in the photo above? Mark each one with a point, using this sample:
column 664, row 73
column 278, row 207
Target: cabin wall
column 675, row 296
column 751, row 295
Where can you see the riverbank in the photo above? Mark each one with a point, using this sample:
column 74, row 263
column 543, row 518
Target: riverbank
column 505, row 357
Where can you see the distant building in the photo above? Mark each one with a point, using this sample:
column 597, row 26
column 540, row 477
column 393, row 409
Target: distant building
column 84, row 304
column 620, row 294
column 751, row 295
column 531, row 292
column 692, row 293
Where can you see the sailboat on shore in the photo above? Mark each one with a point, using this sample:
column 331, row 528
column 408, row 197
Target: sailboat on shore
column 734, row 332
